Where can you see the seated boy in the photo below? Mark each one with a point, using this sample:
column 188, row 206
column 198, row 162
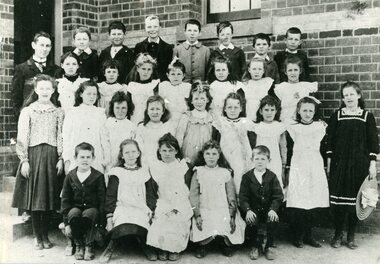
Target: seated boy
column 117, row 51
column 261, row 44
column 260, row 197
column 293, row 42
column 192, row 53
column 82, row 203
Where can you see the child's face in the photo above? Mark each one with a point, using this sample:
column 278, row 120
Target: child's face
column 225, row 36
column 260, row 161
column 152, row 27
column 41, row 47
column 145, row 71
column 192, row 33
column 84, row 160
column 211, row 157
column 199, row 101
column 221, row 71
column 81, row 40
column 233, row 108
column 130, row 154
column 256, row 69
column 350, row 97
column 116, row 37
column 293, row 41
column 155, row 111
column 307, row 111
column 70, row 66
column 44, row 90
column 268, row 112
column 261, row 47
column 120, row 109
column 167, row 153
column 111, row 75
column 293, row 72
column 89, row 95
column 175, row 76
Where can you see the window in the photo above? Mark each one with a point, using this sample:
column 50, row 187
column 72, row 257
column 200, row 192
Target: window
column 220, row 10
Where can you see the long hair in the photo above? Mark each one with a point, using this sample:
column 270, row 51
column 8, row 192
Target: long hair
column 271, row 101
column 307, row 100
column 169, row 141
column 120, row 161
column 212, row 144
column 357, row 89
column 165, row 115
column 61, row 72
column 119, row 97
column 33, row 97
column 141, row 59
column 232, row 78
column 82, row 88
column 247, row 76
column 241, row 100
column 197, row 86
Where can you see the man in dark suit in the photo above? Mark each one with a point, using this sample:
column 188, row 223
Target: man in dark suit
column 22, row 83
column 155, row 46
column 117, row 51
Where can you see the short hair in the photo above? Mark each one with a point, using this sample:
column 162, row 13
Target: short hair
column 247, row 76
column 111, row 64
column 120, row 161
column 40, row 34
column 212, row 144
column 262, row 36
column 232, row 78
column 193, row 22
column 271, row 101
column 222, row 25
column 69, row 55
column 357, row 89
column 169, row 141
column 33, row 97
column 82, row 88
column 176, row 64
column 84, row 146
column 238, row 97
column 165, row 112
column 261, row 150
column 293, row 59
column 307, row 100
column 152, row 17
column 293, row 30
column 120, row 97
column 197, row 86
column 117, row 25
column 82, row 30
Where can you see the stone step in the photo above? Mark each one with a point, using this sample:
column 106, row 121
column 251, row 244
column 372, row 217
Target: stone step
column 5, row 204
column 12, row 227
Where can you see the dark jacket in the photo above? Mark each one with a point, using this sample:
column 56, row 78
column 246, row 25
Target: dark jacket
column 236, row 57
column 88, row 64
column 89, row 194
column 260, row 197
column 22, row 82
column 163, row 52
column 125, row 58
column 280, row 60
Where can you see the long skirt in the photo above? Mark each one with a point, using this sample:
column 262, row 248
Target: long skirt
column 39, row 192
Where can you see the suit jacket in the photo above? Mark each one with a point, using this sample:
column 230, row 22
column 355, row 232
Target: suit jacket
column 163, row 53
column 124, row 56
column 280, row 60
column 88, row 64
column 236, row 57
column 22, row 82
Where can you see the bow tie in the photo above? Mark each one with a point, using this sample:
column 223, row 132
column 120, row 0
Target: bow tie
column 43, row 63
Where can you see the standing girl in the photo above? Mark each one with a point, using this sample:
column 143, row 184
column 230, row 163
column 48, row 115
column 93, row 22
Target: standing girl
column 118, row 125
column 69, row 83
column 234, row 142
column 86, row 123
column 195, row 126
column 308, row 189
column 293, row 90
column 255, row 86
column 222, row 82
column 170, row 227
column 175, row 90
column 154, row 126
column 128, row 204
column 110, row 86
column 352, row 150
column 39, row 147
column 271, row 133
column 142, row 82
column 214, row 201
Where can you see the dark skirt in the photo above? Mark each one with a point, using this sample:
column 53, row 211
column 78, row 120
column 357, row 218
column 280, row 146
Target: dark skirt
column 39, row 192
column 128, row 230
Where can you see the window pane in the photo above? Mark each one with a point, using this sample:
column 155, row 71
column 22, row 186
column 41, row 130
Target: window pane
column 255, row 4
column 238, row 5
column 217, row 6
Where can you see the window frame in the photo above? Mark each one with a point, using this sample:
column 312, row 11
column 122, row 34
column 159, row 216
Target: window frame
column 231, row 16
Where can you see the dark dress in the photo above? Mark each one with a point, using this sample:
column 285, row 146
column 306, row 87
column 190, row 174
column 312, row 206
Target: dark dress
column 88, row 64
column 280, row 58
column 352, row 143
column 236, row 56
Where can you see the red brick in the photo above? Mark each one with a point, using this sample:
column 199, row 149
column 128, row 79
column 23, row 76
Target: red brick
column 313, row 52
column 365, row 59
column 160, row 2
column 366, row 31
column 365, row 77
column 173, row 8
column 330, row 8
column 281, row 4
column 330, row 34
column 366, row 49
column 347, row 68
column 347, row 42
column 296, row 3
column 347, row 32
column 348, row 50
column 313, row 9
column 365, row 68
column 329, row 78
column 329, row 69
column 347, row 77
column 296, row 11
column 365, row 40
column 282, row 12
column 316, row 61
column 313, row 2
column 330, row 43
column 329, row 60
column 329, row 51
column 347, row 59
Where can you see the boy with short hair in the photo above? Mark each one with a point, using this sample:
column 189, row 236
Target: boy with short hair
column 117, row 51
column 192, row 53
column 82, row 203
column 155, row 46
column 293, row 41
column 261, row 44
column 260, row 197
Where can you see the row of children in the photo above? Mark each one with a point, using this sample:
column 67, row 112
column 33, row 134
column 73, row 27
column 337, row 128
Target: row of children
column 41, row 149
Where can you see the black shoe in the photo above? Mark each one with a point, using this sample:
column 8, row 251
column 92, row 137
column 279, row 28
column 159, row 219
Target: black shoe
column 79, row 253
column 270, row 254
column 298, row 243
column 89, row 253
column 200, row 252
column 336, row 242
column 46, row 242
column 150, row 253
column 227, row 251
column 162, row 255
column 312, row 242
column 254, row 253
column 352, row 245
column 173, row 256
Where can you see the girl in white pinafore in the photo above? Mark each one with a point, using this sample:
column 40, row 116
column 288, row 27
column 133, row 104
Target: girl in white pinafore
column 170, row 229
column 308, row 187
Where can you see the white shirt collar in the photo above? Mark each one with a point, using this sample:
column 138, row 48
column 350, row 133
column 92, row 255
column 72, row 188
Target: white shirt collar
column 259, row 175
column 230, row 46
column 290, row 51
column 39, row 60
column 266, row 57
column 157, row 41
column 82, row 176
column 87, row 50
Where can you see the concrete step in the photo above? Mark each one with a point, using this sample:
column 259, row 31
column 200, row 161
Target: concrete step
column 12, row 227
column 5, row 204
